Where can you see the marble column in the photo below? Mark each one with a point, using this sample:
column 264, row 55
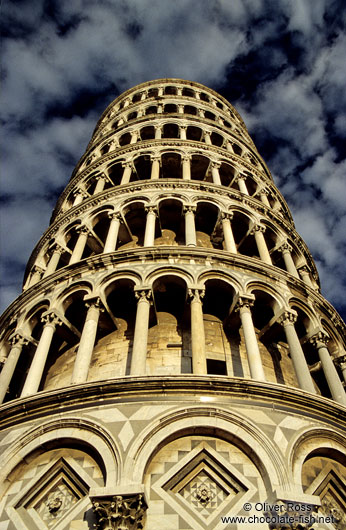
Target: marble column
column 229, row 147
column 199, row 362
column 336, row 388
column 341, row 361
column 305, row 275
column 155, row 167
column 228, row 233
column 149, row 236
column 80, row 244
column 190, row 230
column 258, row 232
column 140, row 339
column 182, row 131
column 264, row 196
column 33, row 379
column 251, row 344
column 287, row 320
column 186, row 163
column 101, row 182
column 79, row 196
column 207, row 138
column 134, row 137
column 36, row 275
column 87, row 342
column 17, row 342
column 113, row 231
column 158, row 132
column 127, row 172
column 54, row 260
column 215, row 173
column 286, row 251
column 240, row 180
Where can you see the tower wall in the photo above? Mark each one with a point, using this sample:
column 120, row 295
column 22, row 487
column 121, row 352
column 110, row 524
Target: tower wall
column 171, row 357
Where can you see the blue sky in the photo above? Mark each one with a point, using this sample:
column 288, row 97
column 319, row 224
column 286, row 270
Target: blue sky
column 280, row 63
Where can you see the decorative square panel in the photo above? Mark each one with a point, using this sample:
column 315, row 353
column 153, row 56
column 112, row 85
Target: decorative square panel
column 51, row 497
column 202, row 486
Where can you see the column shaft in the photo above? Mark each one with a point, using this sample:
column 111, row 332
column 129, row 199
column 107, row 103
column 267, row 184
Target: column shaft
column 264, row 199
column 215, row 174
column 79, row 247
column 155, row 169
column 228, row 234
column 112, row 235
column 101, row 181
column 262, row 246
column 86, row 345
column 297, row 355
column 9, row 367
column 199, row 362
column 53, row 263
column 149, row 235
column 252, row 350
column 186, row 169
column 190, row 230
column 242, row 185
column 126, row 174
column 140, row 339
column 335, row 385
column 33, row 379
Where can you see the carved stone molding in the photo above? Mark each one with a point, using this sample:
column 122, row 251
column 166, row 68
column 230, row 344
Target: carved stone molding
column 119, row 512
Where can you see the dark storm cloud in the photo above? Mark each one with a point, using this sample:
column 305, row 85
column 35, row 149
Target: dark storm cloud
column 282, row 64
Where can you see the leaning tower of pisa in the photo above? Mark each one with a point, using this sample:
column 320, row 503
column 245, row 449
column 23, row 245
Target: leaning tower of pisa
column 171, row 360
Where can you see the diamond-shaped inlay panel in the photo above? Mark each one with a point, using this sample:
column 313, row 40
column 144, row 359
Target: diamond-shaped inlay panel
column 56, row 503
column 204, row 494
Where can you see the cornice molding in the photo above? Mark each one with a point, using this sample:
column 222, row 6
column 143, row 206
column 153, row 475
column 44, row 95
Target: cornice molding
column 154, row 388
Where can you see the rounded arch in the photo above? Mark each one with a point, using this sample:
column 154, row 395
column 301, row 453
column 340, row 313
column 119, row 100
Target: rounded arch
column 313, row 441
column 76, row 430
column 228, row 426
column 169, row 271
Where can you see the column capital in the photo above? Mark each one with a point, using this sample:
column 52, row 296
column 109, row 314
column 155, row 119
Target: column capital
column 215, row 164
column 51, row 318
column 82, row 229
column 17, row 339
column 244, row 302
column 196, row 295
column 186, row 158
column 207, row 133
column 188, row 208
column 340, row 360
column 151, row 209
column 115, row 215
column 257, row 228
column 287, row 318
column 303, row 269
column 101, row 176
column 155, row 158
column 285, row 247
column 227, row 215
column 320, row 339
column 264, row 191
column 56, row 247
column 158, row 126
column 126, row 164
column 93, row 301
column 143, row 295
column 37, row 269
column 240, row 176
column 183, row 127
column 124, row 512
column 80, row 192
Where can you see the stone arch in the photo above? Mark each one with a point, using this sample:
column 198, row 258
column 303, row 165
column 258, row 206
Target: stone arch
column 77, row 431
column 313, row 441
column 219, row 422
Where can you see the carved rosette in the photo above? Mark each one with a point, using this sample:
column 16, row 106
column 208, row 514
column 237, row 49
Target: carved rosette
column 119, row 512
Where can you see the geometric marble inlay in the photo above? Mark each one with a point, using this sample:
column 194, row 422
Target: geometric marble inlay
column 203, row 485
column 51, row 496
